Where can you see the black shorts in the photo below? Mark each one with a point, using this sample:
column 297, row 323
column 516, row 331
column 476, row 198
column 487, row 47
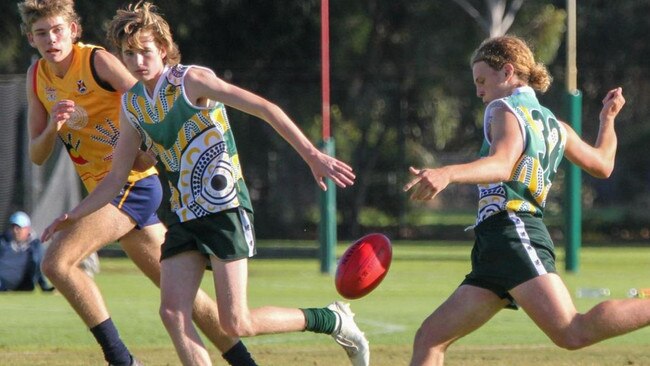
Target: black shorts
column 509, row 250
column 228, row 235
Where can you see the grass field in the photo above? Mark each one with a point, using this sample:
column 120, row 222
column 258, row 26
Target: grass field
column 41, row 329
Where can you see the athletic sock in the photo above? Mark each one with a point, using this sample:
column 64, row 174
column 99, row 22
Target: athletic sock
column 115, row 351
column 238, row 355
column 320, row 320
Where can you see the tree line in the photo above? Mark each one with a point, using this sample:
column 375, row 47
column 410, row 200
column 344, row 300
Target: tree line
column 402, row 92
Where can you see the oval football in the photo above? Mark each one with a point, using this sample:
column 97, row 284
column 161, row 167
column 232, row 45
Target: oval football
column 363, row 266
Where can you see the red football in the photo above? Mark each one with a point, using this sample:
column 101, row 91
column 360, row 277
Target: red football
column 363, row 266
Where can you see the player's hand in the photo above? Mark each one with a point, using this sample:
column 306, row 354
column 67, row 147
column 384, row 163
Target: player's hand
column 325, row 166
column 58, row 224
column 612, row 104
column 426, row 184
column 61, row 112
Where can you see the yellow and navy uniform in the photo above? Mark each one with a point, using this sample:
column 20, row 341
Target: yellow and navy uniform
column 91, row 133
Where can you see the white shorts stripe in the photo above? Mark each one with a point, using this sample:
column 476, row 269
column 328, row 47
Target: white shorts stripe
column 525, row 242
column 248, row 231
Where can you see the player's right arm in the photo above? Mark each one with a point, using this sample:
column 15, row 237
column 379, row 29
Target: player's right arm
column 124, row 154
column 43, row 126
column 41, row 138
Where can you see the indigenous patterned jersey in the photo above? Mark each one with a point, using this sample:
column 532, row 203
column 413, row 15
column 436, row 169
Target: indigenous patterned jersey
column 195, row 144
column 530, row 181
column 91, row 133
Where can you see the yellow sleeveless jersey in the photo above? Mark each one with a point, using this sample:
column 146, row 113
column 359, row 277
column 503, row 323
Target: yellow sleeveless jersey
column 91, row 133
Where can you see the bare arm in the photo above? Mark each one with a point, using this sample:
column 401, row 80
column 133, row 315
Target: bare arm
column 43, row 127
column 201, row 83
column 505, row 150
column 597, row 160
column 111, row 70
column 124, row 154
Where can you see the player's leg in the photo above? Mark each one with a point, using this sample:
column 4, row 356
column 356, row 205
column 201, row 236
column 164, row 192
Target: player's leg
column 228, row 238
column 181, row 277
column 467, row 309
column 143, row 248
column 70, row 246
column 231, row 282
column 548, row 302
column 237, row 319
column 61, row 265
column 181, row 255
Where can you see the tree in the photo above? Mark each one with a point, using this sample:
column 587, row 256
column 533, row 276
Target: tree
column 406, row 95
column 500, row 16
column 402, row 92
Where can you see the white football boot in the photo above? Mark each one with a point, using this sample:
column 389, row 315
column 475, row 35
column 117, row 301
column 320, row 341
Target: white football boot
column 348, row 335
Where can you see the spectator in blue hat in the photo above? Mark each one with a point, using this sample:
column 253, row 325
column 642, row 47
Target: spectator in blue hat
column 20, row 256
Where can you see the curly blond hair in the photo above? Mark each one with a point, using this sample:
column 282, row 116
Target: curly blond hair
column 498, row 51
column 143, row 17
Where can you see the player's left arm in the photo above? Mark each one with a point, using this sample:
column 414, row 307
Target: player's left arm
column 111, row 70
column 202, row 83
column 597, row 160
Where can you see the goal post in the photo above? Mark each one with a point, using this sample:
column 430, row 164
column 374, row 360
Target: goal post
column 327, row 224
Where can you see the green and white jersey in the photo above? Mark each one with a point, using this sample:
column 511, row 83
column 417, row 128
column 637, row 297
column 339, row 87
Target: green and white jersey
column 195, row 144
column 532, row 176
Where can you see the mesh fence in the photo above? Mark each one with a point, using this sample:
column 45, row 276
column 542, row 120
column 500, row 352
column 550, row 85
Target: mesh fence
column 12, row 110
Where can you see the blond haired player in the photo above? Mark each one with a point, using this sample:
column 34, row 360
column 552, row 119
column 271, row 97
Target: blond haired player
column 73, row 95
column 179, row 113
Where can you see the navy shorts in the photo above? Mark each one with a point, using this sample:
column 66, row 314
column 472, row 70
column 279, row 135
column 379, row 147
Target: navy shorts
column 140, row 200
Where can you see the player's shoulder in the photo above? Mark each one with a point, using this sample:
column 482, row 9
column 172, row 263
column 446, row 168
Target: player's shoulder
column 198, row 73
column 34, row 66
column 31, row 77
column 103, row 58
column 111, row 72
column 31, row 70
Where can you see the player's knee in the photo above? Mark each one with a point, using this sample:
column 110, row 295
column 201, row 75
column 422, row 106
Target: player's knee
column 237, row 327
column 53, row 268
column 426, row 341
column 569, row 341
column 171, row 313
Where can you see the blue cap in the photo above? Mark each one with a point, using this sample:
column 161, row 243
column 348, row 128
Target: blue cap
column 20, row 218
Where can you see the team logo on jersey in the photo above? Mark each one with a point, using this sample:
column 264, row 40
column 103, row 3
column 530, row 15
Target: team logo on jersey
column 78, row 119
column 81, row 87
column 175, row 75
column 73, row 150
column 50, row 94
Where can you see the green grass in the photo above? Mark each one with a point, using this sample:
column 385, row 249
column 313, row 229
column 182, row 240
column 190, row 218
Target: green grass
column 41, row 329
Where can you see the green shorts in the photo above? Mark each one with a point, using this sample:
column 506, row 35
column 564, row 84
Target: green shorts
column 509, row 250
column 228, row 235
